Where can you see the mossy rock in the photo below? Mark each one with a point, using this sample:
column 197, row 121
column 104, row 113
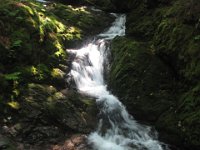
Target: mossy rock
column 33, row 39
column 172, row 31
column 45, row 31
column 57, row 105
column 140, row 79
column 45, row 113
column 187, row 114
column 173, row 47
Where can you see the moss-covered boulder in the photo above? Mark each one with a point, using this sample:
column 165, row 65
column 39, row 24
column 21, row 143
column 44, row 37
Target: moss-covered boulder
column 176, row 43
column 35, row 106
column 45, row 115
column 33, row 39
column 142, row 82
column 161, row 57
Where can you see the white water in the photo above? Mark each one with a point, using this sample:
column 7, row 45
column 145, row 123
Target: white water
column 43, row 1
column 117, row 130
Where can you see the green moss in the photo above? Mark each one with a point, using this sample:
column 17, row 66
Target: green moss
column 39, row 43
column 183, row 120
column 14, row 105
column 172, row 32
column 62, row 110
column 33, row 43
column 57, row 73
column 143, row 79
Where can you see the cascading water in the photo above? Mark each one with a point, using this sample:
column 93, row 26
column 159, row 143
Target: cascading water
column 117, row 130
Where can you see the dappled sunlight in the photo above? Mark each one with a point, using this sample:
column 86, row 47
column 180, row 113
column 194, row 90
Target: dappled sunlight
column 34, row 70
column 14, row 104
column 39, row 72
column 60, row 51
column 30, row 10
column 33, row 67
column 81, row 9
column 57, row 73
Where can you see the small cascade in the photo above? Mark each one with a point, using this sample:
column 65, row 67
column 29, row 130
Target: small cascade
column 117, row 130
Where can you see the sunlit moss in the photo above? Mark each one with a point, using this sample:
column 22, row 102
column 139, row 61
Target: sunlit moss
column 80, row 9
column 34, row 40
column 72, row 33
column 60, row 51
column 14, row 104
column 39, row 72
column 73, row 30
column 30, row 11
column 34, row 70
column 57, row 73
column 60, row 26
column 58, row 96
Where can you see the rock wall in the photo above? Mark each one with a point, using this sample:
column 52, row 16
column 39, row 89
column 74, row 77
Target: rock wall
column 155, row 68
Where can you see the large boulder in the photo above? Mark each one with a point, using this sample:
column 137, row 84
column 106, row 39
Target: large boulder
column 141, row 81
column 46, row 115
column 166, row 39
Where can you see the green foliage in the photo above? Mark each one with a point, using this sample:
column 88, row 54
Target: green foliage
column 12, row 76
column 17, row 43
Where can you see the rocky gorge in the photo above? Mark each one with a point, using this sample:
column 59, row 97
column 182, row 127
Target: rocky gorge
column 154, row 70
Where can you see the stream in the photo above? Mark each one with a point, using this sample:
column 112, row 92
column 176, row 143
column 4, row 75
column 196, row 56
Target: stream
column 117, row 129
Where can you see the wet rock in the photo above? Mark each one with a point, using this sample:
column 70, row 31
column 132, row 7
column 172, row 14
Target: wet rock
column 76, row 142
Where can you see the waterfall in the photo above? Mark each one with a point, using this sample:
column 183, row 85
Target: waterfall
column 117, row 130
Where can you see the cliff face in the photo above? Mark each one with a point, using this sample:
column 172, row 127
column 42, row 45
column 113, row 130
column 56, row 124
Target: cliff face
column 155, row 70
